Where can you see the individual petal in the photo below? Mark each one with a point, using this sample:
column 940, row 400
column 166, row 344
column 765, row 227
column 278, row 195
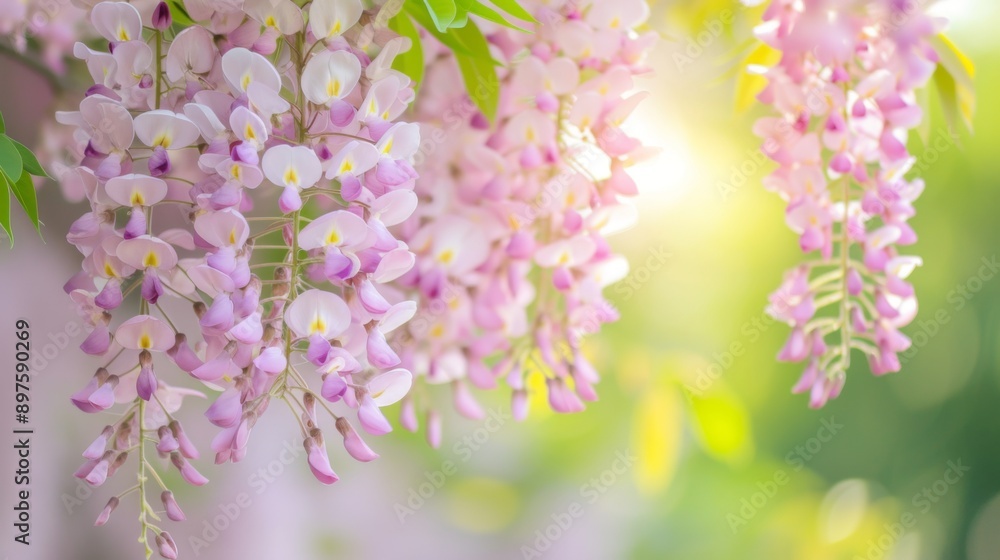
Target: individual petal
column 292, row 166
column 389, row 387
column 337, row 228
column 117, row 21
column 333, row 387
column 330, row 75
column 355, row 446
column 165, row 129
column 371, row 418
column 134, row 189
column 174, row 512
column 146, row 251
column 319, row 462
column 380, row 354
column 354, row 159
column 401, row 141
column 331, row 18
column 271, row 360
column 188, row 472
column 145, row 332
column 225, row 228
column 282, row 15
column 106, row 512
column 192, row 51
column 242, row 68
column 318, row 312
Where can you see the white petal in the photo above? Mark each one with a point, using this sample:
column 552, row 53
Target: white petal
column 331, row 18
column 318, row 312
column 289, row 166
column 330, row 75
column 390, row 387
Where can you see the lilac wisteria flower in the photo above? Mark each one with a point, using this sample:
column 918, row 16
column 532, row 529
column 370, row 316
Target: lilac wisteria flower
column 844, row 93
column 54, row 26
column 510, row 233
column 242, row 175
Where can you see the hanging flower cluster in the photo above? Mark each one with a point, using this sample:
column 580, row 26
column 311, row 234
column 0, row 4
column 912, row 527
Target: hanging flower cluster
column 188, row 137
column 844, row 91
column 510, row 232
column 54, row 25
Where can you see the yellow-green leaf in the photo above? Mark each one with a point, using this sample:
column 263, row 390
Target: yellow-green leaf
column 961, row 71
column 442, row 12
column 721, row 424
column 657, row 430
column 482, row 10
column 410, row 62
column 513, row 8
column 750, row 83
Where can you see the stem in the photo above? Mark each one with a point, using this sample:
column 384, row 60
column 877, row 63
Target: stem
column 845, row 311
column 143, row 504
column 158, row 37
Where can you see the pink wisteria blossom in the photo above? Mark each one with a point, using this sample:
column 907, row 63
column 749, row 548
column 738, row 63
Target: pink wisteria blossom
column 845, row 101
column 242, row 176
column 510, row 230
column 54, row 26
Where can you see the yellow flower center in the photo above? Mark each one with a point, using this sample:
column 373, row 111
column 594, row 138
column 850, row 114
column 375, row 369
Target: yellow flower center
column 151, row 260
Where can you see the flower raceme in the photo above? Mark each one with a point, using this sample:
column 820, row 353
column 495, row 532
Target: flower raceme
column 55, row 26
column 844, row 97
column 243, row 175
column 510, row 233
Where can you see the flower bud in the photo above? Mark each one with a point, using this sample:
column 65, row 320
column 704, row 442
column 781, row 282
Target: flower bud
column 162, row 19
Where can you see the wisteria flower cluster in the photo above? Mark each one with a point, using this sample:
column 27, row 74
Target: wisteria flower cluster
column 844, row 94
column 242, row 176
column 510, row 233
column 56, row 26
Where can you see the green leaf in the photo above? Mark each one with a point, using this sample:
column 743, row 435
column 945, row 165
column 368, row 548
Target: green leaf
column 419, row 13
column 24, row 192
column 10, row 159
column 750, row 83
column 29, row 160
column 949, row 97
column 924, row 101
column 180, row 14
column 487, row 13
column 961, row 70
column 3, row 126
column 472, row 53
column 410, row 62
column 479, row 71
column 5, row 208
column 442, row 12
column 481, row 84
column 514, row 9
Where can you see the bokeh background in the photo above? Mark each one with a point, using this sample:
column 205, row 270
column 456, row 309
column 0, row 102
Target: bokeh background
column 696, row 450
